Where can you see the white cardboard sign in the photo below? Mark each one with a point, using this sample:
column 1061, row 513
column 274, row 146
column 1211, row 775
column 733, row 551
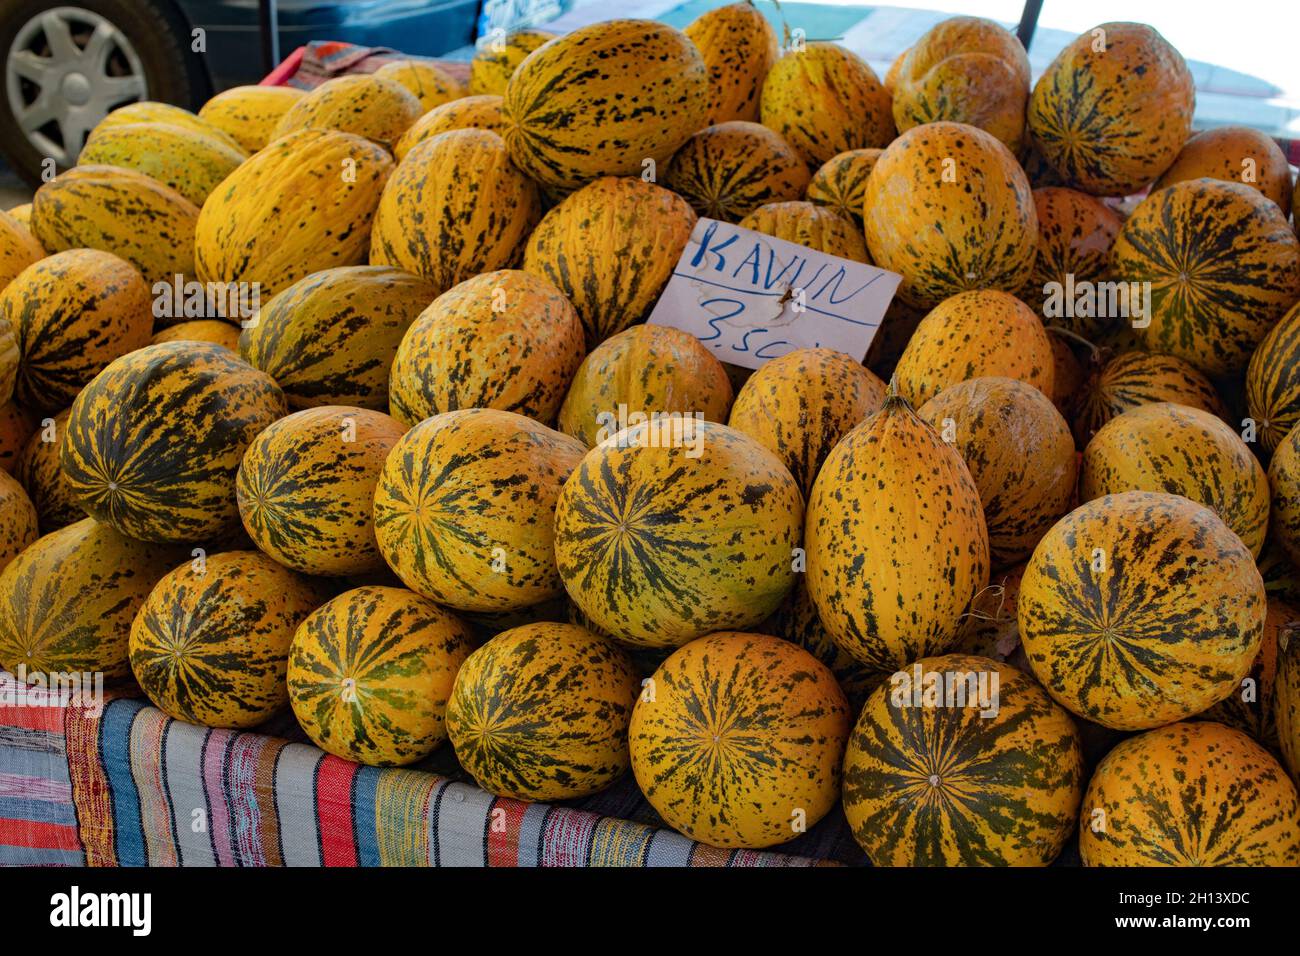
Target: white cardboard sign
column 751, row 297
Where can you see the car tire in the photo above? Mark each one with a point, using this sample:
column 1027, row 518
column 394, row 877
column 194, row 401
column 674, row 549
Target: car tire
column 156, row 45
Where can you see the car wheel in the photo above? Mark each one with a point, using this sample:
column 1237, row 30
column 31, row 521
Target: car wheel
column 67, row 64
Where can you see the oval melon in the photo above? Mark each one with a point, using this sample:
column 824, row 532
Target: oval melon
column 1198, row 794
column 602, row 100
column 210, row 645
column 540, row 712
column 17, row 519
column 1183, row 451
column 949, row 209
column 369, row 105
column 154, row 441
column 330, row 338
column 468, row 112
column 974, row 335
column 806, row 224
column 729, row 170
column 801, row 404
column 1020, row 453
column 250, row 114
column 191, row 163
column 841, row 182
column 455, row 207
column 38, row 469
column 505, row 339
column 673, row 528
column 739, row 47
column 1139, row 609
column 1237, row 154
column 643, row 371
column 18, row 248
column 1273, row 381
column 67, row 601
column 896, row 541
column 370, row 673
column 306, row 488
column 1075, row 235
column 73, row 312
column 465, row 508
column 962, row 761
column 201, row 330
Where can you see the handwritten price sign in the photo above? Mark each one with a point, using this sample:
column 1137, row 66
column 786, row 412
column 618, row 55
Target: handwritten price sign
column 751, row 297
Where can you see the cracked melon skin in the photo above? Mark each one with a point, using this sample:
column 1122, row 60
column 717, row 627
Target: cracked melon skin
column 1223, row 267
column 153, row 443
column 1190, row 794
column 455, row 207
column 1113, row 109
column 1185, row 451
column 306, row 488
column 541, row 712
column 1020, row 453
column 729, row 170
column 941, row 785
column 675, row 528
column 210, row 646
column 896, row 540
column 506, row 339
column 465, row 508
column 1168, row 628
column 68, row 600
column 73, row 312
column 370, row 673
column 602, row 100
column 737, row 740
column 949, row 208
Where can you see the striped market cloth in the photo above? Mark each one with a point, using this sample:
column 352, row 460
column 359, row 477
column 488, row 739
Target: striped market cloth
column 132, row 787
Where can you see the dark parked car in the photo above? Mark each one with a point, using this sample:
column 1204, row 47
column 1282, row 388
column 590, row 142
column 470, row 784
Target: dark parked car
column 68, row 62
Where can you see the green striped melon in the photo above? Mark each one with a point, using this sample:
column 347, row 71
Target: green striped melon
column 610, row 248
column 1190, row 794
column 603, row 100
column 1020, row 453
column 455, row 207
column 1273, row 381
column 67, row 601
column 962, row 761
column 1138, row 378
column 641, row 371
column 464, row 508
column 736, row 740
column 1284, row 483
column 1252, row 707
column 897, row 547
column 73, row 313
column 210, row 645
column 370, row 105
column 729, row 170
column 370, row 673
column 17, row 519
column 37, row 468
column 330, row 338
column 1287, row 700
column 1223, row 266
column 505, row 339
column 249, row 114
column 841, row 182
column 155, row 440
column 801, row 404
column 191, row 163
column 1138, row 609
column 677, row 527
column 1184, row 451
column 306, row 488
column 540, row 712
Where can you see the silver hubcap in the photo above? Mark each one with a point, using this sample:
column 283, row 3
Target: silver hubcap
column 67, row 68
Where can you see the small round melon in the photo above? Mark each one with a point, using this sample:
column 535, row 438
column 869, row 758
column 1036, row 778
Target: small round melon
column 841, row 182
column 306, row 488
column 729, row 170
column 1020, row 452
column 371, row 671
column 210, row 644
column 540, row 712
column 505, row 339
column 737, row 740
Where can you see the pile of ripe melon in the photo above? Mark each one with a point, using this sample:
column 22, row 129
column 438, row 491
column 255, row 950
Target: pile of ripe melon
column 343, row 400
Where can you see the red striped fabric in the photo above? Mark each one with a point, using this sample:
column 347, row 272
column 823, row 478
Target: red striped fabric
column 338, row 845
